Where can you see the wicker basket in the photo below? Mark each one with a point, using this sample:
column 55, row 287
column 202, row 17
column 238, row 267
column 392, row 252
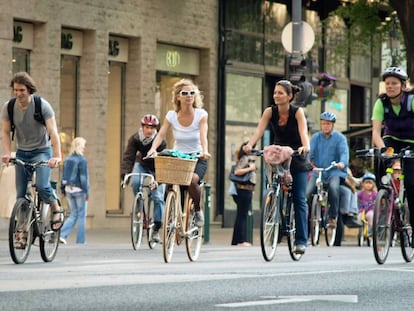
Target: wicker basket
column 169, row 170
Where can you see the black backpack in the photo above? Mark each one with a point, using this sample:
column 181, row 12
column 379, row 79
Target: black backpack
column 37, row 114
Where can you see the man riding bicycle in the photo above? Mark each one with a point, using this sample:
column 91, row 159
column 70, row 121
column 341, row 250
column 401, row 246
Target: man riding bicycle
column 133, row 159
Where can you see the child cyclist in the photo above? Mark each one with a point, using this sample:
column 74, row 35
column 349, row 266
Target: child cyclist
column 133, row 160
column 366, row 198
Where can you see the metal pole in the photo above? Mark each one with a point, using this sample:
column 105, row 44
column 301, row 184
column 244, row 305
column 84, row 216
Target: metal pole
column 297, row 27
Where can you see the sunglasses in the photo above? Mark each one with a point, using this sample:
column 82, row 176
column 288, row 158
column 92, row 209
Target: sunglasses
column 187, row 93
column 284, row 83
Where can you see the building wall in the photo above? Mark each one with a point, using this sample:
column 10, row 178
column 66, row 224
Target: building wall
column 190, row 23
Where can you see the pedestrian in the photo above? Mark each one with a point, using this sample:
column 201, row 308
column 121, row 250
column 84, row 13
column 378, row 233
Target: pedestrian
column 32, row 119
column 366, row 198
column 289, row 126
column 243, row 198
column 189, row 123
column 75, row 187
column 394, row 109
column 135, row 160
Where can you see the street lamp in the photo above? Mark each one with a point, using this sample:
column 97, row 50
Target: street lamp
column 394, row 42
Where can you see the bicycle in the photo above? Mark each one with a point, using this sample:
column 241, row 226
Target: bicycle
column 31, row 218
column 141, row 210
column 364, row 235
column 278, row 213
column 319, row 213
column 179, row 222
column 391, row 213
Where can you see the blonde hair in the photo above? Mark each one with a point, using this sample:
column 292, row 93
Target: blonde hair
column 178, row 86
column 78, row 145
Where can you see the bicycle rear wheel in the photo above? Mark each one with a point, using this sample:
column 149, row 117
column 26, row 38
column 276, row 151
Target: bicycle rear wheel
column 48, row 239
column 169, row 226
column 406, row 236
column 315, row 216
column 381, row 226
column 137, row 222
column 292, row 230
column 194, row 234
column 20, row 231
column 330, row 232
column 269, row 225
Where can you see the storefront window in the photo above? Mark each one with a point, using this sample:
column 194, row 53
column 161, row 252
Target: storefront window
column 20, row 60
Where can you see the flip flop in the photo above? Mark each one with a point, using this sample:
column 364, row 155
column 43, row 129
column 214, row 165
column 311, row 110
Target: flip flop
column 59, row 222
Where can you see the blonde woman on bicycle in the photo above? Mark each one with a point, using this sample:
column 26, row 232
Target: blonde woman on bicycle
column 189, row 123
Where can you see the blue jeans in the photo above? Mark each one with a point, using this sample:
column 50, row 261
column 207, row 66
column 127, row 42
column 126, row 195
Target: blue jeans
column 348, row 201
column 45, row 190
column 157, row 195
column 301, row 208
column 78, row 207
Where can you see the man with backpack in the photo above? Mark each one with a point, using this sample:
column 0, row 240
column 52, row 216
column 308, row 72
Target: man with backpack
column 32, row 119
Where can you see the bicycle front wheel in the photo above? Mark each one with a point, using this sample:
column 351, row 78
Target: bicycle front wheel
column 20, row 231
column 169, row 226
column 269, row 225
column 194, row 234
column 381, row 226
column 137, row 222
column 292, row 230
column 48, row 239
column 315, row 220
column 406, row 236
column 330, row 232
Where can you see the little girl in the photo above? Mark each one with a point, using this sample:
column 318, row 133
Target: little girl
column 366, row 198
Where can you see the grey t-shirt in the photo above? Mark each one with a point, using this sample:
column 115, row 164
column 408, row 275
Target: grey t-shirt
column 29, row 133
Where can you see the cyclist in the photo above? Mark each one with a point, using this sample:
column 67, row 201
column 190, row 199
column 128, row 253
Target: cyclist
column 289, row 126
column 326, row 146
column 366, row 198
column 189, row 123
column 35, row 142
column 133, row 160
column 395, row 109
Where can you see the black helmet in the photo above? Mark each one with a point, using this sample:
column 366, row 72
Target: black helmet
column 395, row 72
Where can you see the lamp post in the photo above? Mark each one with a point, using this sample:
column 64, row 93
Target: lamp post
column 394, row 42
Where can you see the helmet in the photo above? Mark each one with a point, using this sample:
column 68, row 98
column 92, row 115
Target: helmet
column 328, row 116
column 369, row 176
column 395, row 72
column 149, row 119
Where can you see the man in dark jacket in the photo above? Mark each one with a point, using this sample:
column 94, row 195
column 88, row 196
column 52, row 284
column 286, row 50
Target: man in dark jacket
column 134, row 160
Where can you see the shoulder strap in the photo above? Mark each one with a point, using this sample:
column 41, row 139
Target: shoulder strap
column 38, row 110
column 10, row 111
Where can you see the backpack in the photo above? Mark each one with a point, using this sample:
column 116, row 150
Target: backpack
column 37, row 114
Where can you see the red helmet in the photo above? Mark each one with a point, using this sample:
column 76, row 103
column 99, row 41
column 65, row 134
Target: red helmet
column 150, row 119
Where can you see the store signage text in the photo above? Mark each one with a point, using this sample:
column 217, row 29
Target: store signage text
column 66, row 41
column 113, row 48
column 17, row 33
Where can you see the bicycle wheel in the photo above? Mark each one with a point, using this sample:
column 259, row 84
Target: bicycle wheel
column 381, row 226
column 150, row 225
column 48, row 239
column 269, row 225
column 315, row 220
column 330, row 232
column 137, row 222
column 360, row 236
column 292, row 230
column 194, row 234
column 406, row 236
column 20, row 231
column 169, row 226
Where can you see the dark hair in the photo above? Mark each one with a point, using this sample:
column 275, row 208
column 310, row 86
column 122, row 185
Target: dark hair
column 289, row 87
column 240, row 152
column 24, row 78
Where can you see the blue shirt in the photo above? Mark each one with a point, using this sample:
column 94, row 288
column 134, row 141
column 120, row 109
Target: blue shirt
column 324, row 150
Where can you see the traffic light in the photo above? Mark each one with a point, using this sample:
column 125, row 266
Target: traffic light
column 306, row 94
column 296, row 68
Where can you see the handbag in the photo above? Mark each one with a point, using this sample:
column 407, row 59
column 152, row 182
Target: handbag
column 240, row 179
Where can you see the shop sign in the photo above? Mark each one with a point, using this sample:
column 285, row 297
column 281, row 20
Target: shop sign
column 23, row 35
column 118, row 49
column 71, row 42
column 178, row 59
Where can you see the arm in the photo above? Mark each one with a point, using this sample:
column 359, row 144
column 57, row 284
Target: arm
column 162, row 134
column 129, row 156
column 84, row 178
column 264, row 121
column 6, row 141
column 203, row 138
column 343, row 153
column 376, row 134
column 55, row 140
column 303, row 131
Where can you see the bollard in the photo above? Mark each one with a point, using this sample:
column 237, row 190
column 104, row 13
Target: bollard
column 207, row 204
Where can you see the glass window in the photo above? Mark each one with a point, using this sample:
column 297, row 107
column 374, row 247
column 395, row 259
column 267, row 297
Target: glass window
column 20, row 60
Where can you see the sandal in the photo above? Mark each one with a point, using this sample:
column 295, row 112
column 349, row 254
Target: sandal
column 55, row 225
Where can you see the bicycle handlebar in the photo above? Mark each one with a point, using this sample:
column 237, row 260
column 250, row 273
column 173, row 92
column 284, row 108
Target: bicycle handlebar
column 124, row 182
column 321, row 169
column 15, row 161
column 259, row 152
column 387, row 153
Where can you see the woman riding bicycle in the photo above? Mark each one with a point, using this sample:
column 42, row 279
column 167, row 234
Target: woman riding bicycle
column 395, row 109
column 289, row 126
column 189, row 123
column 133, row 160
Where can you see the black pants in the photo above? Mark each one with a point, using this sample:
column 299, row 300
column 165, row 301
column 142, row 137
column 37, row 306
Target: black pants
column 243, row 200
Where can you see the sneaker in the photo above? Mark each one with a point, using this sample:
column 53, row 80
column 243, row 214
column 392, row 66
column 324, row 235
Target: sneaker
column 332, row 223
column 351, row 222
column 155, row 236
column 199, row 219
column 300, row 249
column 62, row 240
